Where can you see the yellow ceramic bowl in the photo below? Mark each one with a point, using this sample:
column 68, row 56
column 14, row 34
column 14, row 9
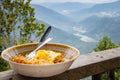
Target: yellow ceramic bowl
column 37, row 70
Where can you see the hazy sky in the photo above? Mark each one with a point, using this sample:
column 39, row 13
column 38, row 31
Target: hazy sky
column 82, row 1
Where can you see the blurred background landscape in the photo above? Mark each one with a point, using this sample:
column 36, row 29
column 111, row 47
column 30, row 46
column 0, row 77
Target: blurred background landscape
column 79, row 24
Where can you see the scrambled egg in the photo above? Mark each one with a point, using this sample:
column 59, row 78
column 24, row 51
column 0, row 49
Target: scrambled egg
column 42, row 54
column 41, row 57
column 50, row 56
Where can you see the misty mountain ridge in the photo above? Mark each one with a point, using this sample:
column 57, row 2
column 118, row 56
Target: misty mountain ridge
column 85, row 32
column 66, row 8
column 99, row 25
column 97, row 8
column 53, row 18
column 105, row 7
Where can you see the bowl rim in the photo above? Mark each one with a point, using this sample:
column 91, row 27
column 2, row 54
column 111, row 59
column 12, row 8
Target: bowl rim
column 77, row 54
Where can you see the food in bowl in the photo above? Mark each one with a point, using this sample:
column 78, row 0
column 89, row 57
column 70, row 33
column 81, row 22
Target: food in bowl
column 41, row 70
column 42, row 57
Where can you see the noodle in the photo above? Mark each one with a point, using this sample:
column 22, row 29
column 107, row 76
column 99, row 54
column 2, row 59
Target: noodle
column 41, row 57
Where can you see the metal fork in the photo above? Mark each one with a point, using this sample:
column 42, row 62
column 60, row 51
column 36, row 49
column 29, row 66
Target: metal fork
column 33, row 53
column 42, row 42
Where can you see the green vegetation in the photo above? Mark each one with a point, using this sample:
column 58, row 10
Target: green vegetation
column 3, row 65
column 104, row 44
column 17, row 25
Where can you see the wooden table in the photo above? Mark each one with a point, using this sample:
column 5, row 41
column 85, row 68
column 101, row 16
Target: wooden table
column 91, row 64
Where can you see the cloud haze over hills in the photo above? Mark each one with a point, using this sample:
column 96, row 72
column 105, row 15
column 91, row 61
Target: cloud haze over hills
column 81, row 1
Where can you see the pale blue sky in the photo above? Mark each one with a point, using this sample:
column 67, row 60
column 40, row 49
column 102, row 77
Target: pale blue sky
column 82, row 1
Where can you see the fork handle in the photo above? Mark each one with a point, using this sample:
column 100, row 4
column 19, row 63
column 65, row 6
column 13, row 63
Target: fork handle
column 45, row 34
column 43, row 43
